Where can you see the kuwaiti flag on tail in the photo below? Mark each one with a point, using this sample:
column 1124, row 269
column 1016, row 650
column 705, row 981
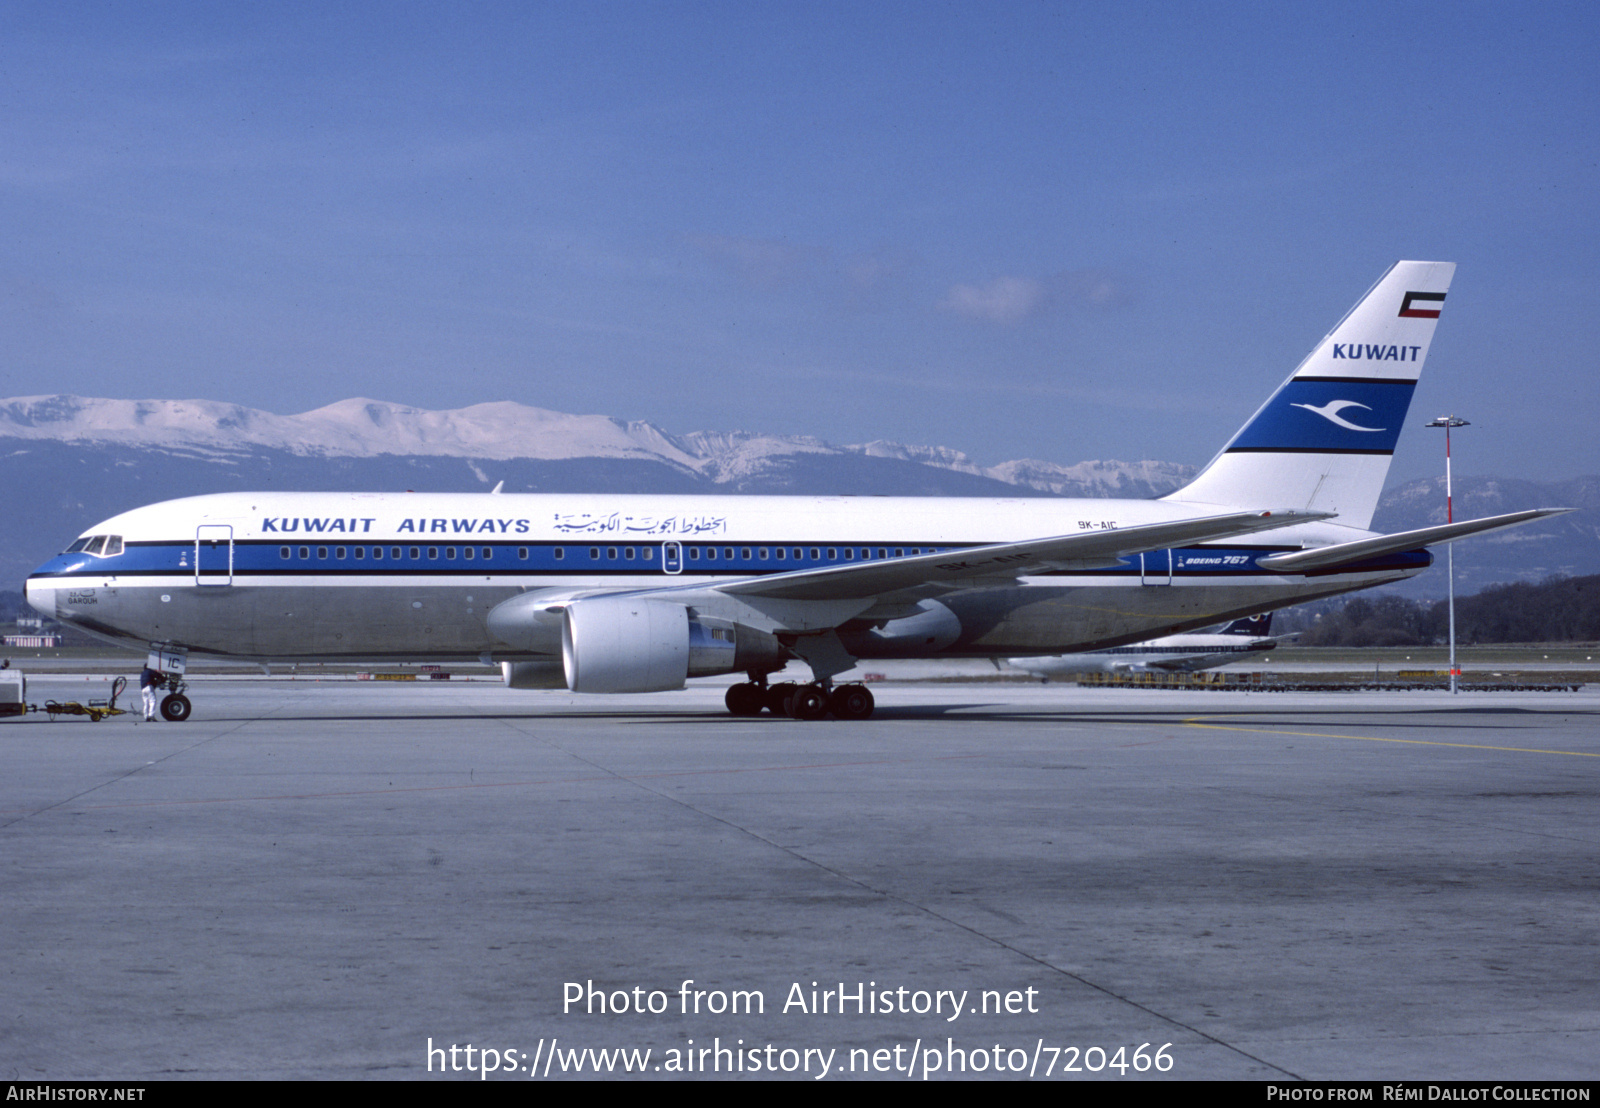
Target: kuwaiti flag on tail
column 1422, row 305
column 1327, row 434
column 1388, row 333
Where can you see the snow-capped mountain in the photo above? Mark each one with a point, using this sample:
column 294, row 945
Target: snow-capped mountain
column 355, row 428
column 506, row 431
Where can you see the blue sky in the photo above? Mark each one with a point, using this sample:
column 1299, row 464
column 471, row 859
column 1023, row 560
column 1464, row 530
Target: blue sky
column 1063, row 231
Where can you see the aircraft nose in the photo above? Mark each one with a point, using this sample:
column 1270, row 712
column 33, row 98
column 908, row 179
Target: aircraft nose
column 42, row 597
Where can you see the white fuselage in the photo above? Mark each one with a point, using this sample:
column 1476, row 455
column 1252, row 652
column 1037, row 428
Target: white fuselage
column 328, row 576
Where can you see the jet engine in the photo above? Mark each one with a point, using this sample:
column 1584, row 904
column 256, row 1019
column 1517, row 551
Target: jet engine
column 627, row 644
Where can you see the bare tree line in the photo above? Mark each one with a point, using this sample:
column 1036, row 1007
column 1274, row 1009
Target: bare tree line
column 1558, row 609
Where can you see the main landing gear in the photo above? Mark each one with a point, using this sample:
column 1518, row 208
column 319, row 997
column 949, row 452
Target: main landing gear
column 813, row 701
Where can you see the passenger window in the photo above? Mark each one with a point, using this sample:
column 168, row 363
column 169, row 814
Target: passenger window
column 450, row 553
column 305, row 552
column 781, row 552
column 338, row 552
column 611, row 553
column 594, row 553
column 488, row 553
column 744, row 552
column 648, row 553
column 711, row 553
column 433, row 553
column 627, row 552
column 361, row 552
column 833, row 555
column 468, row 553
column 377, row 552
column 415, row 553
column 322, row 551
column 283, row 552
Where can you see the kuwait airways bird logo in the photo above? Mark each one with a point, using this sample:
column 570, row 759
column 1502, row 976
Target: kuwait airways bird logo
column 1330, row 412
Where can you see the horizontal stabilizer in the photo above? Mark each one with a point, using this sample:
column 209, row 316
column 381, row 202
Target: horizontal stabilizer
column 952, row 568
column 1323, row 557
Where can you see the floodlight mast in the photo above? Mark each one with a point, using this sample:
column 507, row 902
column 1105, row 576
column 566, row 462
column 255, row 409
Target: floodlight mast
column 1448, row 422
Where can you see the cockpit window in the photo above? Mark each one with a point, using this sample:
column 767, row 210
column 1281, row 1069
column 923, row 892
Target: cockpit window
column 101, row 546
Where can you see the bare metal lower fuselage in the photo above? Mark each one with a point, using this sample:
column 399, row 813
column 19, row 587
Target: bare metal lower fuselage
column 349, row 623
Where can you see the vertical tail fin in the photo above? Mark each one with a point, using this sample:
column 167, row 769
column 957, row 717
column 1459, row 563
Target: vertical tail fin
column 1253, row 627
column 1324, row 439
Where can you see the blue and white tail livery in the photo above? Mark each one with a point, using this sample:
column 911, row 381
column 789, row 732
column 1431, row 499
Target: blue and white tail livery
column 619, row 594
column 1323, row 441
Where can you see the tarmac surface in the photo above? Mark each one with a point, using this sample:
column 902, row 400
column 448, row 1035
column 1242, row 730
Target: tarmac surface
column 326, row 880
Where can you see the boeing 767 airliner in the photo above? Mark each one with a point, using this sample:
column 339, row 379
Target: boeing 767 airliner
column 618, row 594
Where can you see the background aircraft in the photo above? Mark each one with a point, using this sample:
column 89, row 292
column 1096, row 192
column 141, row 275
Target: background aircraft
column 1239, row 641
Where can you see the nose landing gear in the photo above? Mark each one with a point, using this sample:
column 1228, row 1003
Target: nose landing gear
column 170, row 662
column 175, row 707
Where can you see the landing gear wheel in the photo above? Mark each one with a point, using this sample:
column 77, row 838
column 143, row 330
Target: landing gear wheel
column 746, row 699
column 808, row 702
column 852, row 702
column 175, row 708
column 778, row 697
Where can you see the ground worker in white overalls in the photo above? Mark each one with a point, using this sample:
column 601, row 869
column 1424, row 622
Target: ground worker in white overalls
column 149, row 681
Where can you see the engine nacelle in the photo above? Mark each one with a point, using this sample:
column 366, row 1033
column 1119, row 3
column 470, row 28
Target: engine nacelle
column 626, row 644
column 622, row 644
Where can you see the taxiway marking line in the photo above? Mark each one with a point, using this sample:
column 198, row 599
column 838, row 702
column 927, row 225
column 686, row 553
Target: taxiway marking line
column 1195, row 721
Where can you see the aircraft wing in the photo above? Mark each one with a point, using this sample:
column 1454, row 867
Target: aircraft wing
column 1322, row 557
column 1007, row 561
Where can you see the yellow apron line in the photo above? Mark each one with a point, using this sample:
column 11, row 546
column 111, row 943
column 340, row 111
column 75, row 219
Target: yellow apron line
column 1193, row 721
